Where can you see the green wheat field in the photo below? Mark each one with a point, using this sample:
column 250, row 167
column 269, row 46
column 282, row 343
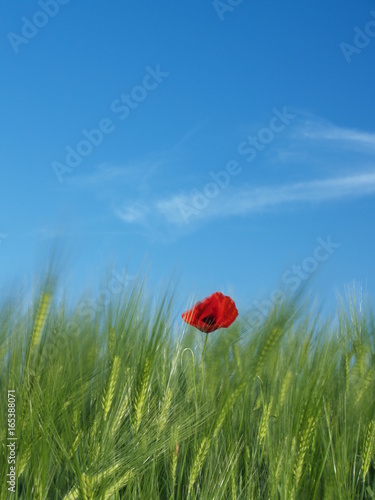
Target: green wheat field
column 121, row 404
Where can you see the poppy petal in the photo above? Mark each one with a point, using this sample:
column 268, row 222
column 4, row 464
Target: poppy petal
column 216, row 311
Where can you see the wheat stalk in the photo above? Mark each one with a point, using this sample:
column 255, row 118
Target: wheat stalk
column 233, row 484
column 226, row 408
column 237, row 358
column 111, row 339
column 346, row 372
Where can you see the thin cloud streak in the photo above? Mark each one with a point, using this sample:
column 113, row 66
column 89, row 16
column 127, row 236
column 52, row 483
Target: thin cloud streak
column 316, row 143
column 132, row 213
column 247, row 200
column 330, row 132
column 132, row 174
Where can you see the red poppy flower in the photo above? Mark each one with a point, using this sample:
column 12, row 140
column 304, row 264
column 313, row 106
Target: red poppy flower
column 216, row 311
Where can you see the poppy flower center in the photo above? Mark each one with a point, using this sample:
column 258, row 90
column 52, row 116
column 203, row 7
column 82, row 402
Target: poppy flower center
column 209, row 320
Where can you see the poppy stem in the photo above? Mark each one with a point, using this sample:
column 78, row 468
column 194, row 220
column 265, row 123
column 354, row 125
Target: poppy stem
column 204, row 347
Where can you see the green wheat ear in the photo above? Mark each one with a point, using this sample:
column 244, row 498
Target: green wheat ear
column 264, row 422
column 122, row 410
column 305, row 442
column 270, row 342
column 141, row 396
column 119, row 483
column 228, row 406
column 91, row 482
column 40, row 319
column 198, row 462
column 164, row 411
column 174, row 468
column 108, row 396
column 284, row 388
column 369, row 449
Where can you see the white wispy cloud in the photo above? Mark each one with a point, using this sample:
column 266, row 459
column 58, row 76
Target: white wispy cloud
column 338, row 163
column 314, row 132
column 134, row 173
column 321, row 130
column 188, row 135
column 319, row 146
column 131, row 214
column 182, row 209
column 138, row 172
column 101, row 174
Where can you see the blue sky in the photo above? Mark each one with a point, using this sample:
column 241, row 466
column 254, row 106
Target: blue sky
column 220, row 142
